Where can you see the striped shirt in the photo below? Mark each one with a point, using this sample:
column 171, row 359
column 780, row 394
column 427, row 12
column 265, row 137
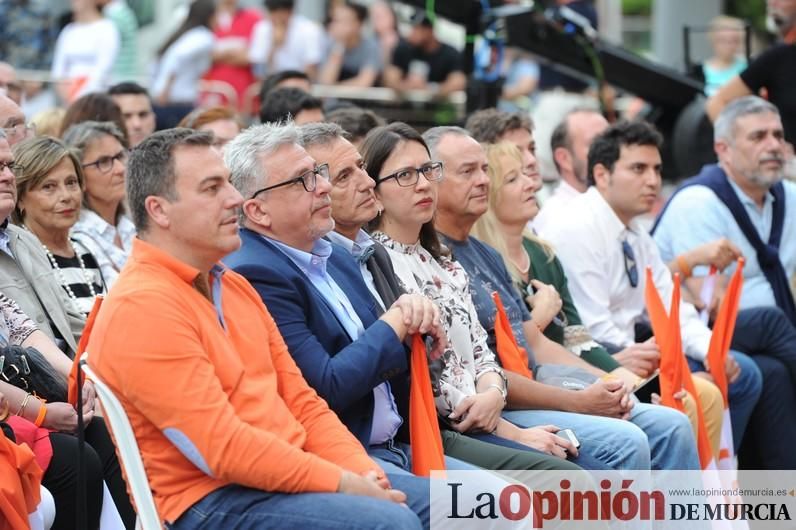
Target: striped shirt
column 72, row 274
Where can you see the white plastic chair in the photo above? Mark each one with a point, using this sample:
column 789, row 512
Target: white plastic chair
column 127, row 447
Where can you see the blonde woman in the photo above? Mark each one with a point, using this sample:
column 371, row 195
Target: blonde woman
column 530, row 261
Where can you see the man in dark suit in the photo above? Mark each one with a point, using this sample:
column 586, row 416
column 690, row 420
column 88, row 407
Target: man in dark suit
column 354, row 358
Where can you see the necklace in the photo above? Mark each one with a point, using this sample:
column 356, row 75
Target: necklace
column 524, row 269
column 61, row 276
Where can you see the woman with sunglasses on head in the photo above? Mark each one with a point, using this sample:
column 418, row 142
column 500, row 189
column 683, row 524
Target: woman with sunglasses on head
column 50, row 185
column 104, row 227
column 469, row 386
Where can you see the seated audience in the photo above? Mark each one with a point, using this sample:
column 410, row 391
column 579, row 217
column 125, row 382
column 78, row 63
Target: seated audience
column 49, row 196
column 356, row 122
column 95, row 107
column 745, row 199
column 605, row 253
column 351, row 210
column 239, row 391
column 136, row 106
column 26, row 275
column 185, row 57
column 421, row 62
column 223, row 122
column 58, row 454
column 353, row 58
column 291, row 103
column 104, row 227
column 469, row 385
column 286, row 41
column 352, row 359
column 660, row 436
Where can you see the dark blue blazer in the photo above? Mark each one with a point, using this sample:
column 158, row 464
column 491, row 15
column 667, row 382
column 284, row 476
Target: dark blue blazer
column 343, row 371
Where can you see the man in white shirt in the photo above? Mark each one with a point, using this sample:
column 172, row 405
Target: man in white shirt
column 285, row 41
column 605, row 252
column 570, row 147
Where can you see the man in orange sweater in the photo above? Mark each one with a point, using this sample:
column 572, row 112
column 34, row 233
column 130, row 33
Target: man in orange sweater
column 230, row 433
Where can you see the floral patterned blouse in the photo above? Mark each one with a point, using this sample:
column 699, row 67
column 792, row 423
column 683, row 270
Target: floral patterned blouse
column 15, row 326
column 467, row 356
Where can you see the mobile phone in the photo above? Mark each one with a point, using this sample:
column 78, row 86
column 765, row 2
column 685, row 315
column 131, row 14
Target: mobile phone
column 568, row 435
column 557, row 320
column 646, row 388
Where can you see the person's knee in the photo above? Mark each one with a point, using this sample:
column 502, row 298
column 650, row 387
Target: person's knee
column 632, row 448
column 750, row 381
column 392, row 516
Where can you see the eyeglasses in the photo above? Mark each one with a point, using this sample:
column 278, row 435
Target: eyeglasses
column 105, row 163
column 13, row 167
column 630, row 263
column 308, row 179
column 409, row 176
column 20, row 130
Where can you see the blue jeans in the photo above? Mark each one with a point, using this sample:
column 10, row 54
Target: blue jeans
column 656, row 437
column 769, row 338
column 239, row 508
column 744, row 393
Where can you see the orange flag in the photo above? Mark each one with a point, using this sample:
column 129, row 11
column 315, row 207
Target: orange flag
column 424, row 433
column 20, row 478
column 723, row 329
column 674, row 372
column 81, row 348
column 671, row 367
column 513, row 357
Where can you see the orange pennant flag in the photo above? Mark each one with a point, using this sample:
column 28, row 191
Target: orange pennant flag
column 723, row 329
column 671, row 369
column 675, row 374
column 20, row 480
column 81, row 348
column 424, row 435
column 513, row 357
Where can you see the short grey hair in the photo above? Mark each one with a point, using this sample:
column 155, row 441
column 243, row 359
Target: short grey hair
column 81, row 135
column 151, row 169
column 724, row 127
column 434, row 136
column 243, row 155
column 322, row 133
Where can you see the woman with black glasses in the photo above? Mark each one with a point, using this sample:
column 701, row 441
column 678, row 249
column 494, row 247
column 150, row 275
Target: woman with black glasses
column 469, row 386
column 104, row 227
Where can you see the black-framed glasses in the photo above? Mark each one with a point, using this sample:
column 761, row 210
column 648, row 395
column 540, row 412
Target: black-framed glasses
column 410, row 175
column 105, row 163
column 630, row 263
column 308, row 179
column 11, row 166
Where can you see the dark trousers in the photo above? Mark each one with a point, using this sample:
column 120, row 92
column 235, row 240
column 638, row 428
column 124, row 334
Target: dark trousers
column 769, row 338
column 100, row 463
